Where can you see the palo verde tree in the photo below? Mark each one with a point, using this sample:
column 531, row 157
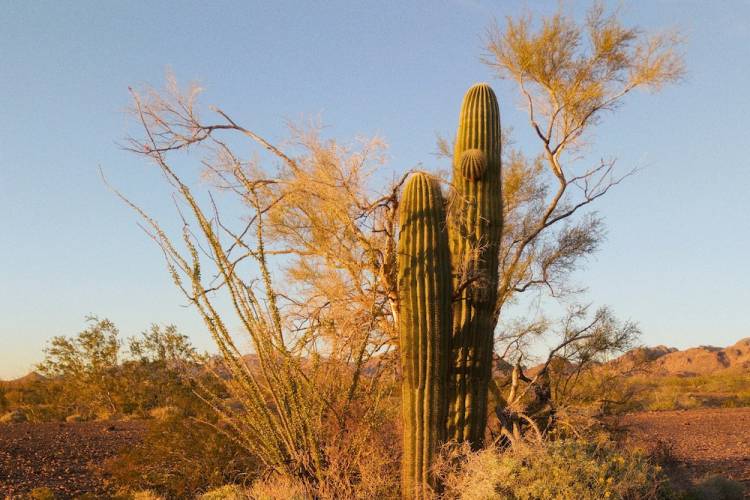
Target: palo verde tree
column 87, row 366
column 569, row 75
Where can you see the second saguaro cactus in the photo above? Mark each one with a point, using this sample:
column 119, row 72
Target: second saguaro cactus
column 447, row 282
column 475, row 227
column 424, row 276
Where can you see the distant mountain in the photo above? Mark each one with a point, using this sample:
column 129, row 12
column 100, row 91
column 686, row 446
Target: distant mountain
column 704, row 360
column 657, row 361
column 27, row 379
column 663, row 361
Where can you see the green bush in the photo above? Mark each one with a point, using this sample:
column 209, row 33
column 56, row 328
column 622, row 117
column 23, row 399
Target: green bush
column 565, row 469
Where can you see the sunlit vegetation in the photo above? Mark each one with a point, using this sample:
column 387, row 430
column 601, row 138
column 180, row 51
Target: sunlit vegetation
column 93, row 376
column 377, row 316
column 719, row 390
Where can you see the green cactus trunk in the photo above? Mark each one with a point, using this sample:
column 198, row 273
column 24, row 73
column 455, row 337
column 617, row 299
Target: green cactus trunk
column 475, row 227
column 424, row 277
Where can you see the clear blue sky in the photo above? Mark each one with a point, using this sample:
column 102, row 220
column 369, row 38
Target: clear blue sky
column 678, row 234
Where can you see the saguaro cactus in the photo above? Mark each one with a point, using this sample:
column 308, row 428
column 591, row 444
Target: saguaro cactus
column 475, row 226
column 424, row 277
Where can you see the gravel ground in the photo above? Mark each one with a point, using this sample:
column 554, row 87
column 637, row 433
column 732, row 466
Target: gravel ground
column 700, row 442
column 65, row 457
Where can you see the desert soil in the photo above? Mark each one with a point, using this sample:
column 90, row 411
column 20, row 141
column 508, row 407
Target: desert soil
column 700, row 442
column 66, row 457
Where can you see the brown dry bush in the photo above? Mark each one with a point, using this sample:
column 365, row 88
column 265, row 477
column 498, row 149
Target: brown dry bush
column 180, row 458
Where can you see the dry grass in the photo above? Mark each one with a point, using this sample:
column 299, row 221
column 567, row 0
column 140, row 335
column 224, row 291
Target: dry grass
column 278, row 488
column 719, row 390
column 165, row 412
column 227, row 492
column 13, row 417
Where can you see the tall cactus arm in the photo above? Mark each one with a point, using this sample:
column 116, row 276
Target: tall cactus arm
column 475, row 227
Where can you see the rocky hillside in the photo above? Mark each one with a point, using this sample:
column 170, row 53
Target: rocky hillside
column 26, row 380
column 663, row 361
column 704, row 360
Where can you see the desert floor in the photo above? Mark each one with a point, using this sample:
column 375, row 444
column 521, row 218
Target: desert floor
column 698, row 443
column 67, row 457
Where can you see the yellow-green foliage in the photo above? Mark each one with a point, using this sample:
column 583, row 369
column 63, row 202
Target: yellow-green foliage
column 227, row 492
column 614, row 393
column 563, row 470
column 92, row 376
column 644, row 392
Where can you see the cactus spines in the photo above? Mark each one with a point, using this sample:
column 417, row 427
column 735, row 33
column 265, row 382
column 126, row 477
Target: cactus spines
column 473, row 164
column 424, row 278
column 475, row 226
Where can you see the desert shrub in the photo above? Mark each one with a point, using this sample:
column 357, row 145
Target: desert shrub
column 227, row 492
column 84, row 367
column 564, row 469
column 715, row 488
column 165, row 412
column 279, row 488
column 44, row 413
column 716, row 390
column 4, row 405
column 612, row 393
column 91, row 374
column 32, row 398
column 42, row 493
column 182, row 456
column 144, row 495
column 14, row 417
